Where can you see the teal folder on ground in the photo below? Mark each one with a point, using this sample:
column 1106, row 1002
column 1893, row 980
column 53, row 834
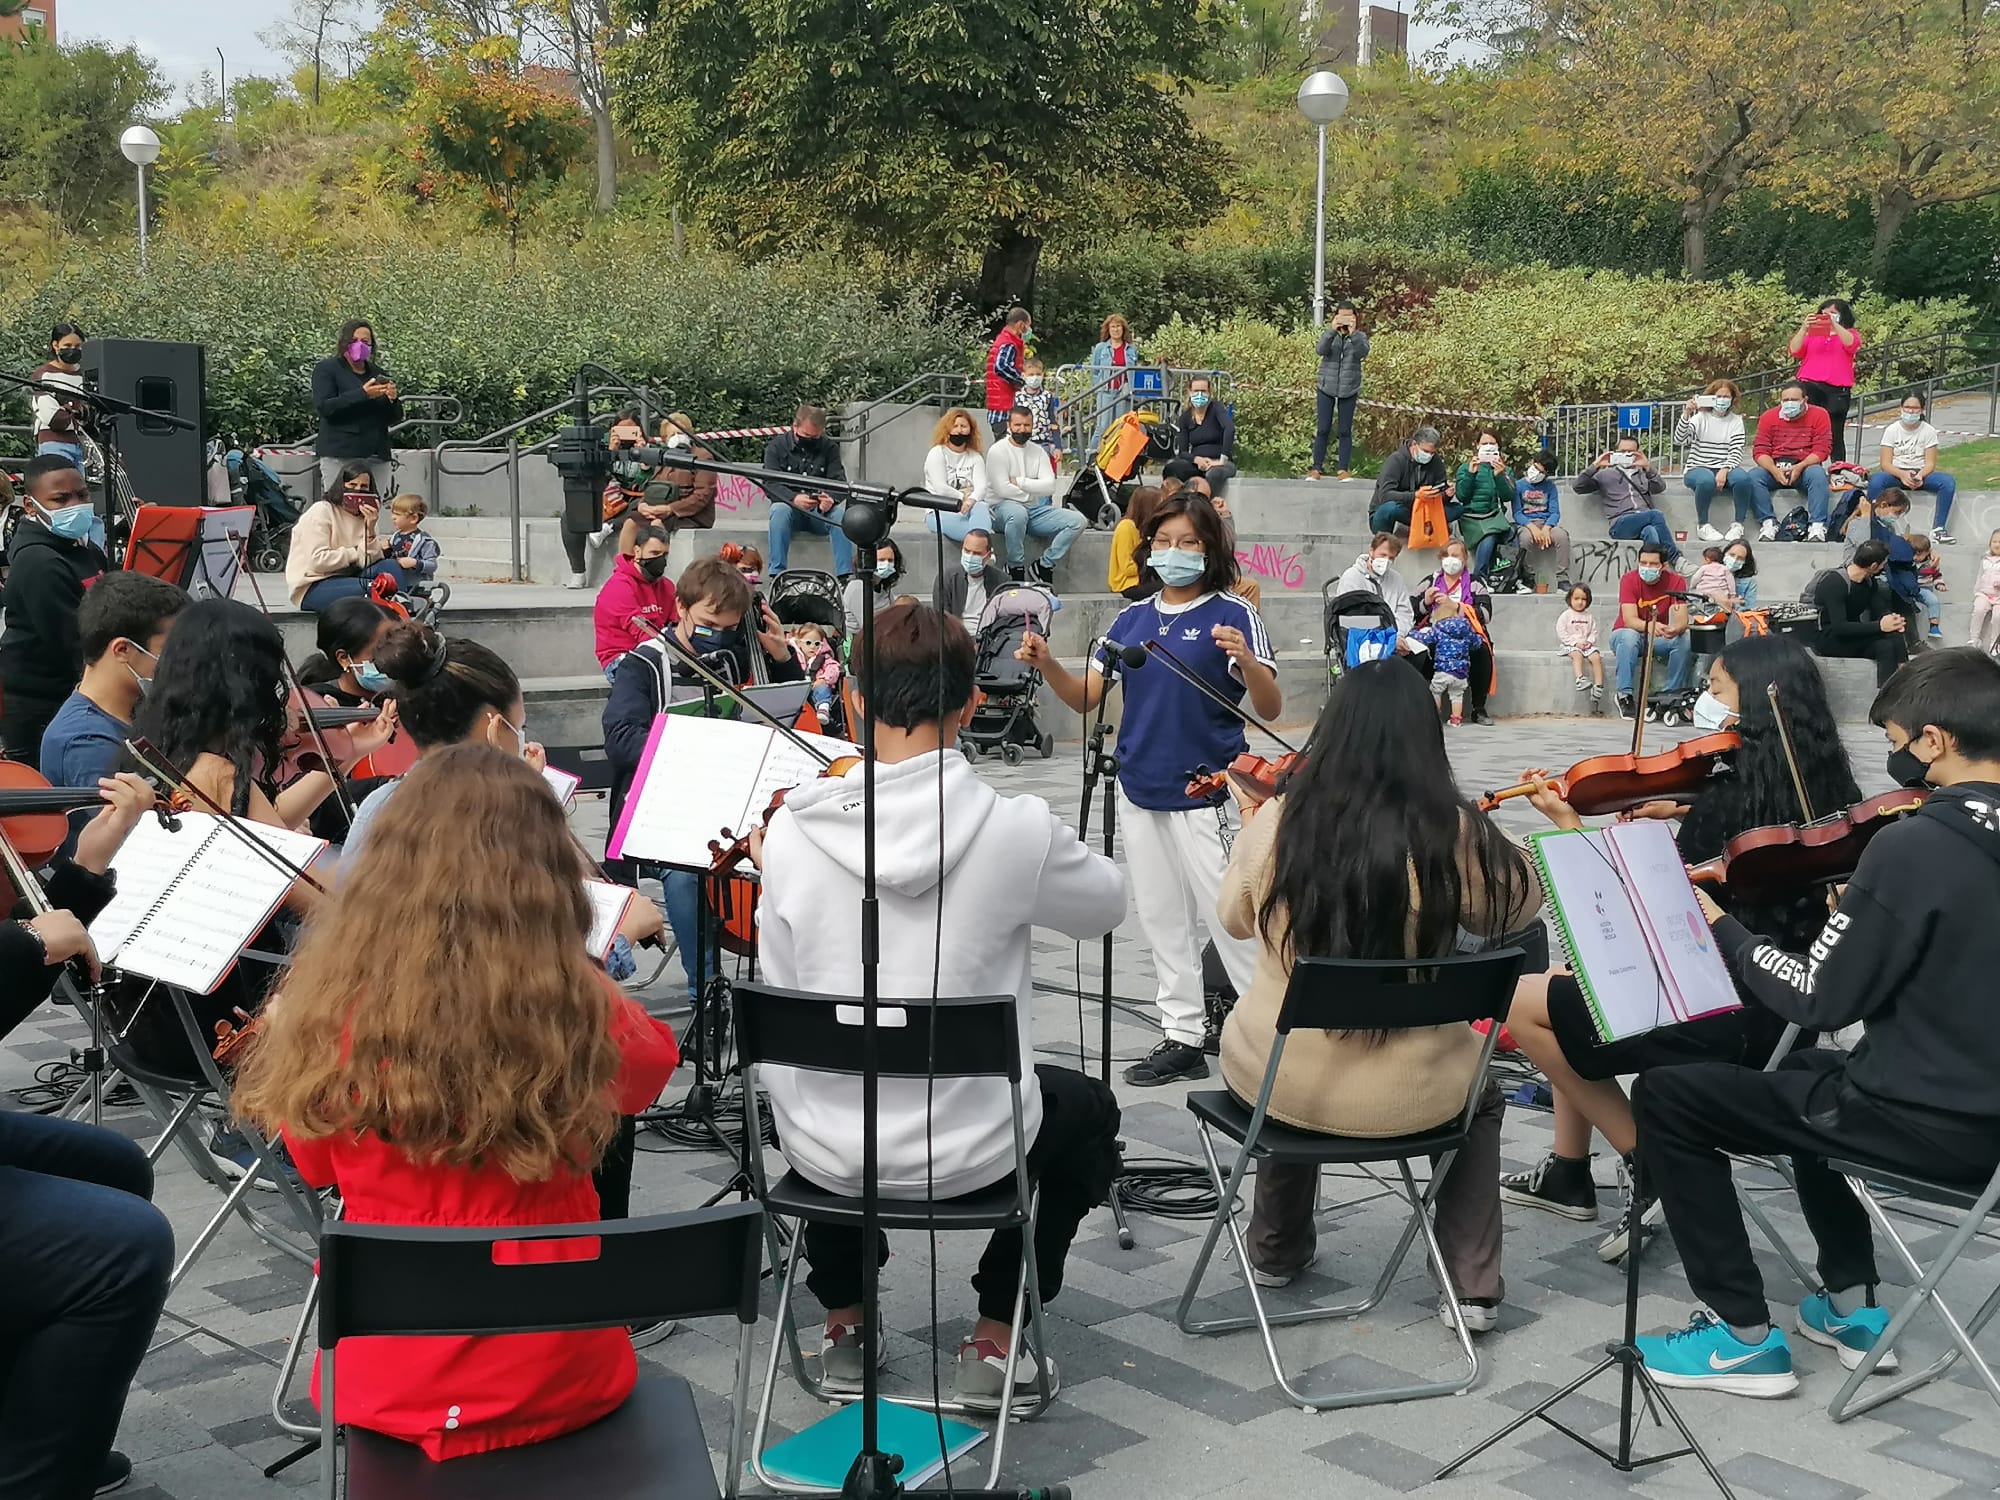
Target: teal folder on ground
column 821, row 1455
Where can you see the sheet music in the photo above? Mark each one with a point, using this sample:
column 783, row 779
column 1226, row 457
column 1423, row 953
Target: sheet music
column 608, row 905
column 563, row 784
column 1602, row 933
column 189, row 902
column 1678, row 935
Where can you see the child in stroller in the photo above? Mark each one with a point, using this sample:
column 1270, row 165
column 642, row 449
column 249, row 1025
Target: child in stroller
column 801, row 597
column 1005, row 717
column 1360, row 626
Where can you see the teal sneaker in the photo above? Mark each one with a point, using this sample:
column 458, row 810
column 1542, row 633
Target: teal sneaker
column 1706, row 1356
column 1852, row 1336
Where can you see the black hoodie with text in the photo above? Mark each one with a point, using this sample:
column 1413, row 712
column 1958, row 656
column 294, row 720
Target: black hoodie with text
column 41, row 654
column 1912, row 952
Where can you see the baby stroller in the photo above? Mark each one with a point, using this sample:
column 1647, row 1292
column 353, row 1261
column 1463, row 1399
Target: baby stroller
column 1005, row 718
column 804, row 597
column 1134, row 440
column 255, row 483
column 1353, row 614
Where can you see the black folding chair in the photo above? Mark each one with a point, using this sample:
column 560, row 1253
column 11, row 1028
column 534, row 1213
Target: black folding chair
column 388, row 1280
column 1360, row 995
column 976, row 1038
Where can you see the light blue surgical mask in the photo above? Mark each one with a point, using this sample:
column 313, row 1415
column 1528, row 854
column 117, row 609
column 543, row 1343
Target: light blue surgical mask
column 1198, row 399
column 370, row 678
column 1175, row 568
column 1722, row 405
column 1733, row 563
column 1649, row 575
column 1911, row 418
column 974, row 563
column 885, row 571
column 73, row 523
column 1791, row 411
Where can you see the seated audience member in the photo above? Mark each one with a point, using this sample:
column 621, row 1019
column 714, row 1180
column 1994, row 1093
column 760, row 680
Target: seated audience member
column 1576, row 637
column 962, row 591
column 335, row 553
column 713, row 600
column 1538, row 522
column 1712, row 433
column 1021, row 481
column 123, row 625
column 1484, row 490
column 1374, row 572
column 55, row 554
column 1412, row 467
column 1454, row 580
column 1550, row 1017
column 884, row 571
column 1024, row 870
column 1858, row 616
column 1909, row 463
column 1046, row 406
column 638, row 589
column 1646, row 595
column 1124, row 575
column 1372, row 852
column 1920, row 1092
column 821, row 665
column 1712, row 580
column 674, row 498
column 1793, row 441
column 1742, row 565
column 1930, row 580
column 414, row 549
column 1626, row 485
column 955, row 468
column 486, row 1111
column 1204, row 438
column 808, row 452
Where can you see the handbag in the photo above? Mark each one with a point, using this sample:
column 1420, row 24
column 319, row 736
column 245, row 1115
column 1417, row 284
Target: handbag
column 1428, row 526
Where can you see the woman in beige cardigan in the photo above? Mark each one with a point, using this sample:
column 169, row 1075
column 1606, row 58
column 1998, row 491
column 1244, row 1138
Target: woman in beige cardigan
column 335, row 552
column 1372, row 853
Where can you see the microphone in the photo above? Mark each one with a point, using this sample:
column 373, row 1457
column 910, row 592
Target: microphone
column 1116, row 657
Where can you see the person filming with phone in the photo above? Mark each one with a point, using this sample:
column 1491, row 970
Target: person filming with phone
column 357, row 405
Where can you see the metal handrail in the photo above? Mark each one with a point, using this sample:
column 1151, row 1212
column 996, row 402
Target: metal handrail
column 446, row 411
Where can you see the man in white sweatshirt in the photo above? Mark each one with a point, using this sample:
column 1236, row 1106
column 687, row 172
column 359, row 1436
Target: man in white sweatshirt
column 1000, row 868
column 1374, row 572
column 1021, row 487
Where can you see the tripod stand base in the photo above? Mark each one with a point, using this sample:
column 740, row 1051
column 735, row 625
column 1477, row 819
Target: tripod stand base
column 1624, row 1358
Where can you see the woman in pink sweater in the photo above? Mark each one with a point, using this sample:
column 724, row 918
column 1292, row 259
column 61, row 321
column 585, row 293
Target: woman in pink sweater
column 1825, row 346
column 637, row 590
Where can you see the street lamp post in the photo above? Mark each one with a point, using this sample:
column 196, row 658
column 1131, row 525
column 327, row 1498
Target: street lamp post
column 141, row 148
column 1322, row 100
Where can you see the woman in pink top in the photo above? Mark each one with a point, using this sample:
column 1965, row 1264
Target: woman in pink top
column 1825, row 346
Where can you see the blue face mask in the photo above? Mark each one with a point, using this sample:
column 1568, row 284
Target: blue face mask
column 1175, row 568
column 885, row 571
column 1198, row 399
column 370, row 678
column 1649, row 575
column 74, row 523
column 973, row 562
column 1791, row 411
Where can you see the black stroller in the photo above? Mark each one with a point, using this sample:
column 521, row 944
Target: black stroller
column 1005, row 718
column 803, row 597
column 255, row 483
column 1344, row 613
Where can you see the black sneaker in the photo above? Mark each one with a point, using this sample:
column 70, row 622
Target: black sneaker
column 1556, row 1185
column 1042, row 573
column 1211, row 1040
column 1170, row 1062
column 1480, row 716
column 1612, row 1248
column 114, row 1473
column 1625, row 706
column 1019, row 575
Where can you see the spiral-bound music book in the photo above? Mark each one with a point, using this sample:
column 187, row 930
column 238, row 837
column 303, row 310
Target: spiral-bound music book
column 189, row 901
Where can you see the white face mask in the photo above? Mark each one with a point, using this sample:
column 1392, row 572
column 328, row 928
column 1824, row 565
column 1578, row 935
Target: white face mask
column 680, row 440
column 1623, row 460
column 1033, row 382
column 1378, row 565
column 1911, row 418
column 1453, row 566
column 1423, row 455
column 1536, row 474
column 1710, row 712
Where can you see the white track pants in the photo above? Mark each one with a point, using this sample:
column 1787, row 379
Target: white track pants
column 1175, row 862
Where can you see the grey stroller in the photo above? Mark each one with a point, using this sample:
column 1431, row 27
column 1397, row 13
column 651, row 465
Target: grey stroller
column 1005, row 718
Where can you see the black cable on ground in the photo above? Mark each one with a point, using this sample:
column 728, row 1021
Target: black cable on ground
column 1166, row 1188
column 58, row 1082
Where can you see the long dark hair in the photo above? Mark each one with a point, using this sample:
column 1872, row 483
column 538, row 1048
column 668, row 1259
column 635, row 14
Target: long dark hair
column 346, row 336
column 1219, row 574
column 219, row 690
column 345, row 625
column 1763, row 777
column 1372, row 804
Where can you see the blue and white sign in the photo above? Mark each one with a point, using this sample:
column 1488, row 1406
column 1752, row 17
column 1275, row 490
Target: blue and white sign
column 1636, row 418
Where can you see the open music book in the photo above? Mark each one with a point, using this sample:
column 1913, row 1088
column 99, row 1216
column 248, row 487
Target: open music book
column 1626, row 916
column 699, row 776
column 190, row 901
column 608, row 905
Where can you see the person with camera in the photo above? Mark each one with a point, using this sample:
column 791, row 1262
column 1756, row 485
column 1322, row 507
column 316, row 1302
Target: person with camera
column 1825, row 346
column 1341, row 349
column 1713, row 435
column 357, row 405
column 807, row 451
column 1626, row 486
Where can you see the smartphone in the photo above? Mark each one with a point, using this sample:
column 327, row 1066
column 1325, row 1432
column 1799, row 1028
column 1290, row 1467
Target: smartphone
column 1821, row 323
column 1705, row 403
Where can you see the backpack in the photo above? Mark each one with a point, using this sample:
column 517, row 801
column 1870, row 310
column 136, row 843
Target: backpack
column 1795, row 525
column 1504, row 571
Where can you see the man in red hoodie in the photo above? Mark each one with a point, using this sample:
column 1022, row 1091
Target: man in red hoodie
column 638, row 589
column 1003, row 366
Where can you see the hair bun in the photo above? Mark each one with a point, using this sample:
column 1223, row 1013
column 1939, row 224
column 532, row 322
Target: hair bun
column 411, row 653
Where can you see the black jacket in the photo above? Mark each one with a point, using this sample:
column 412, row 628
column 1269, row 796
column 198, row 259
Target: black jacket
column 953, row 583
column 41, row 653
column 1850, row 613
column 1210, row 435
column 1402, row 476
column 814, row 458
column 352, row 423
column 1912, row 951
column 25, row 981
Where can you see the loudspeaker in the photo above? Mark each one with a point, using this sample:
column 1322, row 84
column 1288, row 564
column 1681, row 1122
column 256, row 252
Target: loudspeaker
column 164, row 463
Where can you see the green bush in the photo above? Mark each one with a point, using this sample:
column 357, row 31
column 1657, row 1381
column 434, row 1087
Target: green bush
column 732, row 344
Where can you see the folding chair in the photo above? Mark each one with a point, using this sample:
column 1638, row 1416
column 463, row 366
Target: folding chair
column 388, row 1280
column 1782, row 1168
column 1354, row 995
column 976, row 1038
column 1977, row 1205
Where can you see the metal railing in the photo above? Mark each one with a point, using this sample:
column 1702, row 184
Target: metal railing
column 1092, row 401
column 933, row 389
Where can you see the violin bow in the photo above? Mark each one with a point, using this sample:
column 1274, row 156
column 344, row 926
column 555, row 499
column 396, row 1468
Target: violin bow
column 1181, row 670
column 298, row 695
column 162, row 769
column 1791, row 752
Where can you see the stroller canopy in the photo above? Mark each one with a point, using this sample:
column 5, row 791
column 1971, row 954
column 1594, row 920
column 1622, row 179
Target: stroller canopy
column 1019, row 603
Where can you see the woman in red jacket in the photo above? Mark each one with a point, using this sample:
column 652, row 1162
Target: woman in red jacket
column 446, row 1054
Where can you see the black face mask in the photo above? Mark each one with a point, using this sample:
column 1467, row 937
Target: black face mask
column 1019, row 437
column 1908, row 769
column 69, row 356
column 654, row 568
column 958, row 439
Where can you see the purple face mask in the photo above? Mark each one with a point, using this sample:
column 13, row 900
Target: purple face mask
column 359, row 351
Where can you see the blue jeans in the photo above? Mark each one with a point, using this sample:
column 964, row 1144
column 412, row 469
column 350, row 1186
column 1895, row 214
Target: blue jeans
column 1646, row 526
column 319, row 595
column 1928, row 597
column 786, row 519
column 1811, row 481
column 1058, row 523
column 824, row 696
column 84, row 1261
column 682, row 889
column 1704, row 483
column 956, row 525
column 71, row 451
column 1482, row 555
column 1938, row 483
column 1679, row 652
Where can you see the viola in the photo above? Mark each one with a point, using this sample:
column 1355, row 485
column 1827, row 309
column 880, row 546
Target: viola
column 732, row 894
column 1765, row 864
column 1618, row 783
column 1256, row 775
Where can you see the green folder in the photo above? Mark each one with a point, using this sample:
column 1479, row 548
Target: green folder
column 821, row 1455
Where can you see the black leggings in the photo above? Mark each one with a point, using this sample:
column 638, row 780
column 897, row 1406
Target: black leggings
column 1835, row 401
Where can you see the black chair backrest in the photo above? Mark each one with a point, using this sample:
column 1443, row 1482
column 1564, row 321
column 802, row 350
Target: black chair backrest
column 976, row 1037
column 1397, row 994
column 589, row 763
column 393, row 1279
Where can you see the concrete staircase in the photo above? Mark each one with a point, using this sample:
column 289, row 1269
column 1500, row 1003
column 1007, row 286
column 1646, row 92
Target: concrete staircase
column 1293, row 536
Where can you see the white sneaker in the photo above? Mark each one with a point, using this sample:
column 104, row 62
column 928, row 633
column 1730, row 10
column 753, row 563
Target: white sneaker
column 1768, row 532
column 1479, row 1317
column 596, row 541
column 1734, row 534
column 1816, row 532
column 576, row 581
column 1708, row 533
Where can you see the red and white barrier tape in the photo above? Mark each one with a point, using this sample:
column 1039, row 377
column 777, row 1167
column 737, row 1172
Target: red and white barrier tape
column 742, row 432
column 271, row 452
column 1428, row 411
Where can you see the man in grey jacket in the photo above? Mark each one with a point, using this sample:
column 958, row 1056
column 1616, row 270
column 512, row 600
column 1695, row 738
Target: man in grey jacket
column 1341, row 349
column 1625, row 485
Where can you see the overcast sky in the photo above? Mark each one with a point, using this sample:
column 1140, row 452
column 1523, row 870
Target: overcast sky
column 180, row 35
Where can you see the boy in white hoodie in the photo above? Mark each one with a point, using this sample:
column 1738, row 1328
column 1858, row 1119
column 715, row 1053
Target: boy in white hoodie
column 1004, row 866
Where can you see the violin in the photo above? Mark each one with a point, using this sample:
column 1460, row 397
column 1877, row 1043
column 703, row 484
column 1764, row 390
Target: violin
column 1259, row 777
column 1765, row 864
column 733, row 895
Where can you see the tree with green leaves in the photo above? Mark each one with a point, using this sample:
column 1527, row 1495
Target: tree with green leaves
column 480, row 123
column 62, row 110
column 922, row 128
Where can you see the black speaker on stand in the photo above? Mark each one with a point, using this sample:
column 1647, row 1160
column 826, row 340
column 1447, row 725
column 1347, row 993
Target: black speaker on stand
column 164, row 462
